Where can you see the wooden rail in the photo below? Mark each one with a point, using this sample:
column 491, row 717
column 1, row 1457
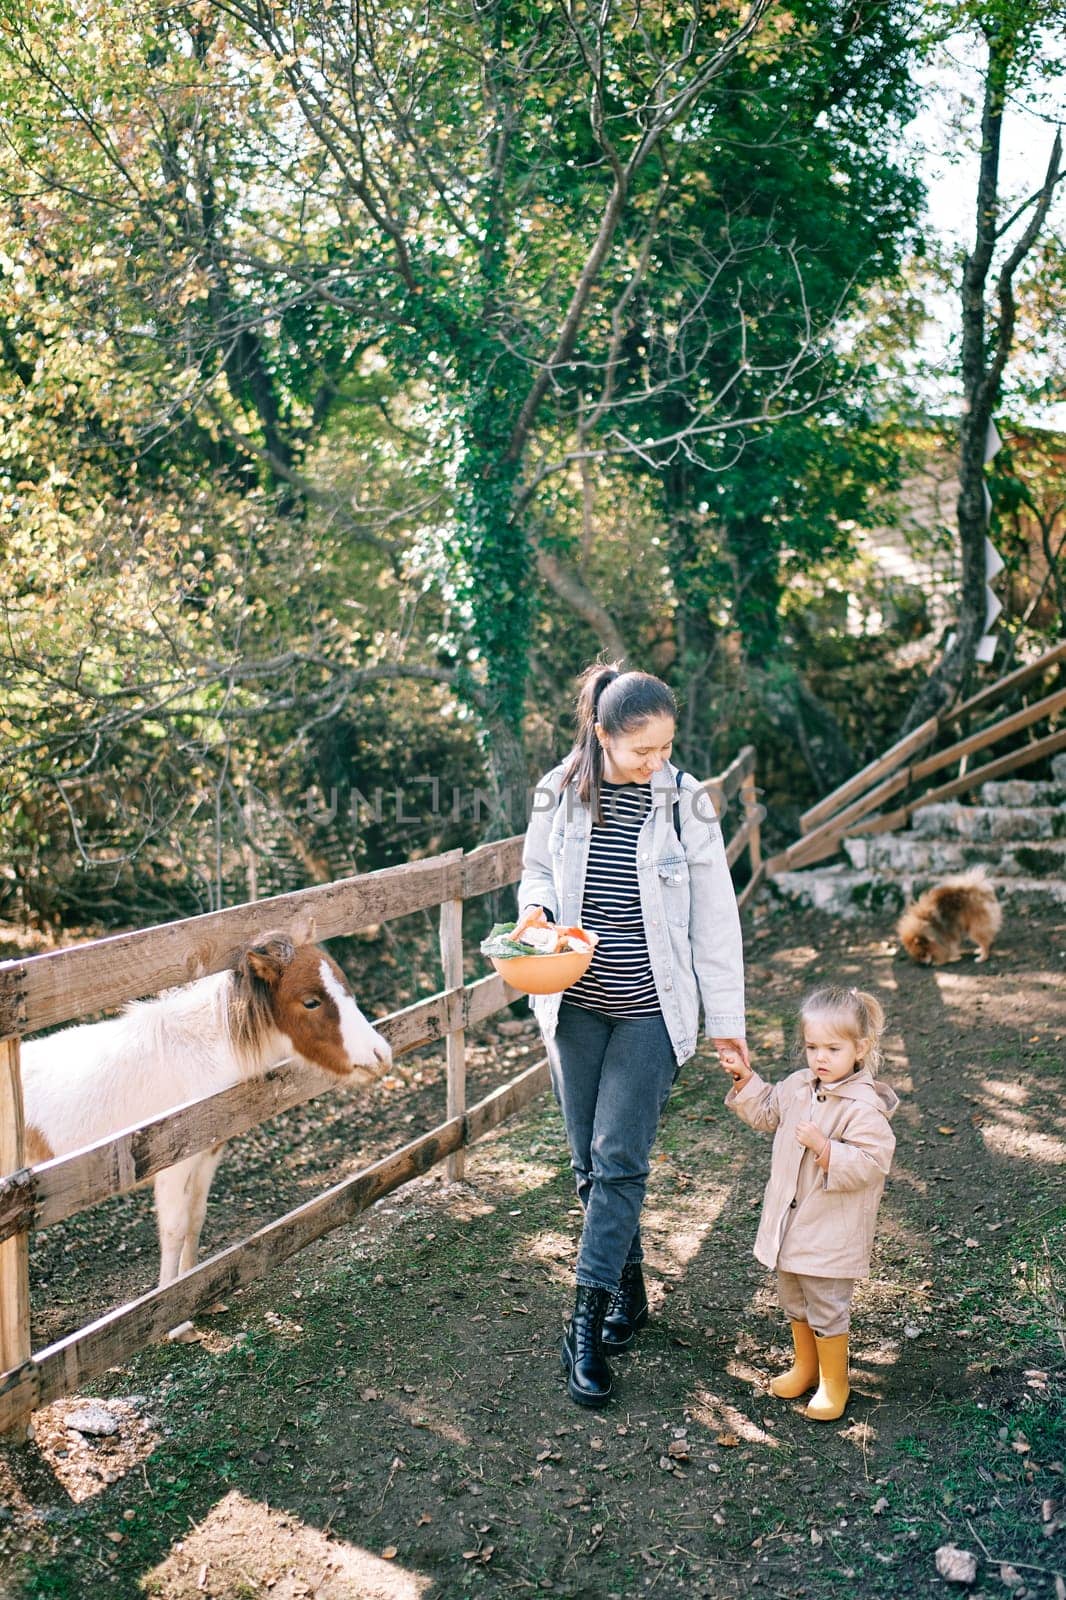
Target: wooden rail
column 43, row 991
column 61, row 1367
column 738, row 779
column 845, row 813
column 919, row 737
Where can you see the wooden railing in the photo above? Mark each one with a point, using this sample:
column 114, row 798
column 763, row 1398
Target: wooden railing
column 62, row 986
column 738, row 782
column 846, row 813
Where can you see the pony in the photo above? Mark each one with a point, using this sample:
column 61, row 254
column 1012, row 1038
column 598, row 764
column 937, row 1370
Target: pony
column 279, row 999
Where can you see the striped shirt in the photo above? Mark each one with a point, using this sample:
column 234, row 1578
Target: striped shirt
column 619, row 978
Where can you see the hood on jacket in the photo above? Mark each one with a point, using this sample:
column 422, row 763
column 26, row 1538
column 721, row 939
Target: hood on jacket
column 862, row 1086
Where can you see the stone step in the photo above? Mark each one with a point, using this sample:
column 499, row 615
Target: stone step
column 894, row 854
column 848, row 893
column 951, row 820
column 1023, row 792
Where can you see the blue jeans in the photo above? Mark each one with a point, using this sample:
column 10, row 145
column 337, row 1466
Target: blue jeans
column 612, row 1078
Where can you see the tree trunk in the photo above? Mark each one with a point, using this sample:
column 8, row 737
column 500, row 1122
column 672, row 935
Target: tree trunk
column 508, row 779
column 983, row 362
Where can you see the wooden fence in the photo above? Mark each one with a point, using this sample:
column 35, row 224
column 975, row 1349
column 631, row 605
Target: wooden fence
column 846, row 813
column 62, row 986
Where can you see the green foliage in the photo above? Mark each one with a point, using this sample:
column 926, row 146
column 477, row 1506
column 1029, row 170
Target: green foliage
column 315, row 338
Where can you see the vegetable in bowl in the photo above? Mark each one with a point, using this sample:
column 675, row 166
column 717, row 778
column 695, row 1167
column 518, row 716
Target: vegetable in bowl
column 534, row 956
column 534, row 935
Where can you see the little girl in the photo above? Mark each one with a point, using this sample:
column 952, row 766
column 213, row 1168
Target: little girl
column 832, row 1150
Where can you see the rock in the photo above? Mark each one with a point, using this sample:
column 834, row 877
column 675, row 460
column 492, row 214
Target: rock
column 955, row 1565
column 94, row 1420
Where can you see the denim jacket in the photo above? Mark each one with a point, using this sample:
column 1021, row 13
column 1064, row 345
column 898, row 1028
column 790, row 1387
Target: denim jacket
column 686, row 894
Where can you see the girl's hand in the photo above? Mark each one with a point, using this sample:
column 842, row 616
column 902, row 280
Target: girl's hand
column 811, row 1135
column 733, row 1058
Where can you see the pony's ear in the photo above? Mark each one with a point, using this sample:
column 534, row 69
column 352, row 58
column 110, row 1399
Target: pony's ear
column 267, row 958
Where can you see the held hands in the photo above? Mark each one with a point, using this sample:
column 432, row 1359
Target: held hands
column 733, row 1058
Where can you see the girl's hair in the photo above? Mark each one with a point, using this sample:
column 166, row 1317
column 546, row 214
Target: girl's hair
column 852, row 1013
column 620, row 702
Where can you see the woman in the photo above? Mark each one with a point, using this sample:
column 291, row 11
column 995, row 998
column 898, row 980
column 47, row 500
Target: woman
column 623, row 843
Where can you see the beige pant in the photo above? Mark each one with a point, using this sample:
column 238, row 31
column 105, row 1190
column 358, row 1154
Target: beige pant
column 825, row 1303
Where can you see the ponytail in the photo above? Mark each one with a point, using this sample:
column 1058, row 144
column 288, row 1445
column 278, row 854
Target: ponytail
column 584, row 766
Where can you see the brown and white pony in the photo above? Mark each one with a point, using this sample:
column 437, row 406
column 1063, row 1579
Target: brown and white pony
column 280, row 1000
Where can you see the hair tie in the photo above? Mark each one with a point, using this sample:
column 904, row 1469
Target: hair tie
column 607, row 676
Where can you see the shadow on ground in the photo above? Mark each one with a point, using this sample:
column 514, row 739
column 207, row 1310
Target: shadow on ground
column 388, row 1418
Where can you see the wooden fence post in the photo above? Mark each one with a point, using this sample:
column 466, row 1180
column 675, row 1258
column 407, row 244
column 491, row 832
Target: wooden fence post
column 753, row 819
column 14, row 1252
column 451, row 960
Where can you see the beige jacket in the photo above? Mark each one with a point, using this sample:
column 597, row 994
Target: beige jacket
column 820, row 1223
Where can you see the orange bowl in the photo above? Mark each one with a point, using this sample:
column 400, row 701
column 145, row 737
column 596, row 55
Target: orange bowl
column 543, row 974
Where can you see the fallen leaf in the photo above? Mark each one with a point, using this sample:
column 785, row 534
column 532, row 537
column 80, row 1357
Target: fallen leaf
column 955, row 1565
column 880, row 1506
column 370, row 1394
column 1010, row 1575
column 727, row 1440
column 114, row 1536
column 424, row 1518
column 816, row 1537
column 389, row 1553
column 945, row 1130
column 971, row 1244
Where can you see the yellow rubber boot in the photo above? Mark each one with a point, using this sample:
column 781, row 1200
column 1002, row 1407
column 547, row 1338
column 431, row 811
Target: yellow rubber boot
column 803, row 1373
column 833, row 1391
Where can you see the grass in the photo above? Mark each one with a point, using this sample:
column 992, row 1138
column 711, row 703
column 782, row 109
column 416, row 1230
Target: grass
column 408, row 1370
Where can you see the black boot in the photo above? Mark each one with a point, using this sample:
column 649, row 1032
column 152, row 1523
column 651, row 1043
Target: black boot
column 589, row 1378
column 627, row 1312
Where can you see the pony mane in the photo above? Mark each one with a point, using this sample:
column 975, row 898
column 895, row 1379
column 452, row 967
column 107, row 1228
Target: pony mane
column 250, row 1010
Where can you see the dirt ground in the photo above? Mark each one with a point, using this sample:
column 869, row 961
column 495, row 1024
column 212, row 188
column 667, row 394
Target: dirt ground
column 387, row 1418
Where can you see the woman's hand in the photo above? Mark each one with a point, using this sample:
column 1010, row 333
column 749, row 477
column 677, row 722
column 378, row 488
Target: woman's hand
column 810, row 1134
column 733, row 1058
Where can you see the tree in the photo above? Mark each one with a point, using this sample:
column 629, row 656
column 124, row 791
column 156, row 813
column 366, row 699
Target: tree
column 400, row 295
column 1011, row 32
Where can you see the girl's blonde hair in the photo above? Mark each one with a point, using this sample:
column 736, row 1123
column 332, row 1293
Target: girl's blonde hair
column 852, row 1013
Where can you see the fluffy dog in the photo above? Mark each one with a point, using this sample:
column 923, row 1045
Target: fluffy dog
column 933, row 927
